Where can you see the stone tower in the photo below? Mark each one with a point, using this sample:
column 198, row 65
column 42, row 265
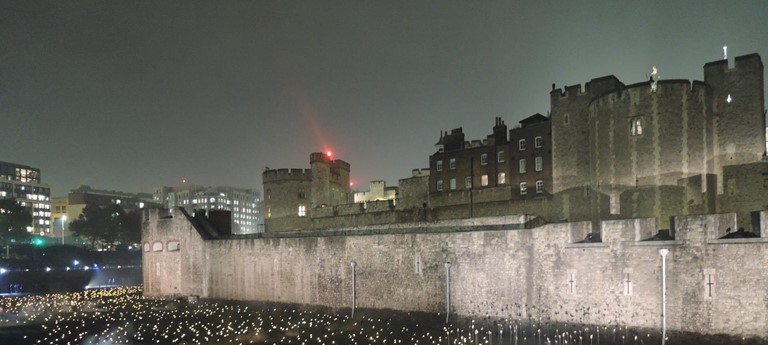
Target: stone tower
column 737, row 103
column 330, row 180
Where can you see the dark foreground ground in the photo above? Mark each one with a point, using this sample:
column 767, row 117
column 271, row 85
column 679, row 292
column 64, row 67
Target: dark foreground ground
column 123, row 316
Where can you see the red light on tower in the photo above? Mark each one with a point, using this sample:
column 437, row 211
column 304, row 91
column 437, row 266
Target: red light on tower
column 329, row 154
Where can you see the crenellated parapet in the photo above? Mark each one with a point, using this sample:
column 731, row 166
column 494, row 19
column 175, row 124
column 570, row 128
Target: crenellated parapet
column 340, row 165
column 274, row 175
column 678, row 88
column 593, row 88
column 748, row 61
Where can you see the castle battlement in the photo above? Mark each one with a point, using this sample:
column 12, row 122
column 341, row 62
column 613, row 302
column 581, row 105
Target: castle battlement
column 340, row 164
column 594, row 87
column 317, row 157
column 696, row 87
column 744, row 61
column 286, row 174
column 570, row 91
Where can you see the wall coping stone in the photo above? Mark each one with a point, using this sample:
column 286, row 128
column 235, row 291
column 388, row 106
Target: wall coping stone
column 658, row 243
column 587, row 245
column 378, row 231
column 738, row 241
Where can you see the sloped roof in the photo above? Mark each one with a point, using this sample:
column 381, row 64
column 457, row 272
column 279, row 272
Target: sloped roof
column 533, row 119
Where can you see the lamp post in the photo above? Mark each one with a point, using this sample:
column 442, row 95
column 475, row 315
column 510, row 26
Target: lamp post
column 447, row 291
column 63, row 225
column 354, row 293
column 663, row 252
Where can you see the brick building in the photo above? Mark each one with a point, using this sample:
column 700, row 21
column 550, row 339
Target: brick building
column 507, row 165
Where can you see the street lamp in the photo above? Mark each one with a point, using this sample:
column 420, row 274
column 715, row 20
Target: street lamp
column 63, row 224
column 663, row 252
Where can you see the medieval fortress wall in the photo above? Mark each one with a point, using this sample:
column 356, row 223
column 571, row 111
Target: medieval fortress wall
column 498, row 267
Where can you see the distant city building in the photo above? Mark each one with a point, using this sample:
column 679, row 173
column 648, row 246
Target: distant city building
column 59, row 218
column 68, row 209
column 23, row 183
column 245, row 204
column 377, row 190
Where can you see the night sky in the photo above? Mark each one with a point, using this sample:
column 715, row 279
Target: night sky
column 130, row 95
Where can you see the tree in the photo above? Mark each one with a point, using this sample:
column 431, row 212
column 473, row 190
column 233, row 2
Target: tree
column 14, row 220
column 130, row 230
column 108, row 225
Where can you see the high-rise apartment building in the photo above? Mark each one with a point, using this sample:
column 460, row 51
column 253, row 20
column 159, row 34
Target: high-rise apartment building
column 23, row 183
column 245, row 204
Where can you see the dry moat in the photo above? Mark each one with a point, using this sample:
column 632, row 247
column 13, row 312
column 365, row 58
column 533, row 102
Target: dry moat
column 123, row 316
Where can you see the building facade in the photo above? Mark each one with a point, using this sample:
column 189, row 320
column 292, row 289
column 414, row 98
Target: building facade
column 377, row 191
column 69, row 208
column 24, row 183
column 245, row 204
column 507, row 165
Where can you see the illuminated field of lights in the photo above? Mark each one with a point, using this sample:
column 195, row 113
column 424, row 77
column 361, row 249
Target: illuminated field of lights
column 123, row 316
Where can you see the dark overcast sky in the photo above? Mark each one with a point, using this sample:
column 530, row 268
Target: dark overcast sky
column 129, row 95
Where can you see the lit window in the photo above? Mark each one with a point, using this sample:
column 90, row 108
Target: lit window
column 500, row 156
column 523, row 188
column 452, row 164
column 521, row 144
column 439, row 166
column 439, row 185
column 538, row 141
column 539, row 164
column 484, row 159
column 539, row 187
column 502, row 178
column 484, row 180
column 302, row 210
column 468, row 182
column 636, row 125
column 453, row 184
column 522, row 166
column 118, row 201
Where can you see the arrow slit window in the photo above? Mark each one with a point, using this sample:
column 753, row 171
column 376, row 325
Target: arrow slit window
column 636, row 125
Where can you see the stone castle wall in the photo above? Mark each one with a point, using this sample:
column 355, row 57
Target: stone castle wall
column 497, row 268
